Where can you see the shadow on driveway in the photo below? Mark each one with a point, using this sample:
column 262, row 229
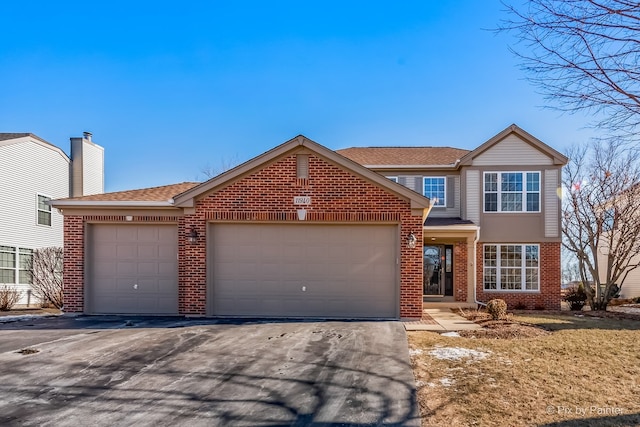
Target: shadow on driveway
column 169, row 371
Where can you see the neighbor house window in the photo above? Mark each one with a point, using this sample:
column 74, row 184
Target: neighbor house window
column 44, row 210
column 393, row 178
column 24, row 265
column 15, row 263
column 511, row 267
column 435, row 189
column 512, row 191
column 7, row 264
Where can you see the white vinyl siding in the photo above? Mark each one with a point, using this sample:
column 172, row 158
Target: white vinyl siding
column 29, row 168
column 512, row 151
column 512, row 191
column 551, row 203
column 92, row 171
column 449, row 206
column 473, row 196
column 511, row 267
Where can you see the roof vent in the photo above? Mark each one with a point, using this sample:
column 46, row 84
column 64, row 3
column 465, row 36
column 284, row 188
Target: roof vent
column 87, row 135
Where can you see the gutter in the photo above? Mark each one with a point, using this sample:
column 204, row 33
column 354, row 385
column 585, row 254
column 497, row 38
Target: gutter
column 475, row 271
column 110, row 203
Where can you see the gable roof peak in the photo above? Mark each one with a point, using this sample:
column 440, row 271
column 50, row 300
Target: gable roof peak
column 558, row 158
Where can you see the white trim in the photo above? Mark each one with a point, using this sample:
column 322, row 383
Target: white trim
column 444, row 198
column 499, row 192
column 523, row 268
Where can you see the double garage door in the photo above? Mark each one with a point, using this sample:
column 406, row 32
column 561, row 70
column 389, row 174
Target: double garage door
column 296, row 270
column 256, row 270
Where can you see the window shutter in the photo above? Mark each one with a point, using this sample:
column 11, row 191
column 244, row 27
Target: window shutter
column 449, row 183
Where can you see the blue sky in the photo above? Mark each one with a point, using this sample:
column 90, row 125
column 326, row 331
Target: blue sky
column 171, row 87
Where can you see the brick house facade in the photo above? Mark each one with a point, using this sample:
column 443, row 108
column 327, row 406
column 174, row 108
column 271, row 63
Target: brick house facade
column 379, row 198
column 262, row 192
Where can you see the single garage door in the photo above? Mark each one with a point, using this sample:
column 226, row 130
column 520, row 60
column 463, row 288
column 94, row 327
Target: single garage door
column 302, row 270
column 132, row 269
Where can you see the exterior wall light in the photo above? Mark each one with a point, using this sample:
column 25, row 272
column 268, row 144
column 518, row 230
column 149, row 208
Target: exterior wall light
column 193, row 235
column 411, row 241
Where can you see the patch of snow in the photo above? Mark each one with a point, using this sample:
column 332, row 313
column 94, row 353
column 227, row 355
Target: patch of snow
column 415, row 352
column 447, row 382
column 451, row 334
column 458, row 353
column 21, row 317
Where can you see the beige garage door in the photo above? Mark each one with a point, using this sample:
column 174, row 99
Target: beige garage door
column 301, row 270
column 132, row 269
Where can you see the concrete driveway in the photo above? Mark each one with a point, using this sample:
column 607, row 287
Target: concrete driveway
column 157, row 372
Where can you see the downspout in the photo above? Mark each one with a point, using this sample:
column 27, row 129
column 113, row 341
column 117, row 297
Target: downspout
column 475, row 270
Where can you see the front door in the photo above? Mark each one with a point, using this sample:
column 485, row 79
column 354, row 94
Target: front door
column 438, row 270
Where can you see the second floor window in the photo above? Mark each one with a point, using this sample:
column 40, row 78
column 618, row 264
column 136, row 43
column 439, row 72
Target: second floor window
column 512, row 191
column 44, row 210
column 435, row 189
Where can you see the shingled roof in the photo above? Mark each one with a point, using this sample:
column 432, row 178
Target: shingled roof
column 5, row 136
column 403, row 156
column 152, row 194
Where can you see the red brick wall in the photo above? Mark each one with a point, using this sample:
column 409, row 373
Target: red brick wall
column 550, row 279
column 73, row 261
column 460, row 263
column 267, row 195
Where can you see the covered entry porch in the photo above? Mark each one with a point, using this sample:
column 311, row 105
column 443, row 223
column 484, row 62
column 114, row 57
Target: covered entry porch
column 449, row 250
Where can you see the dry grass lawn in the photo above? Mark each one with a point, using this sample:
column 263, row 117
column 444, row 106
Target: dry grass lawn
column 577, row 371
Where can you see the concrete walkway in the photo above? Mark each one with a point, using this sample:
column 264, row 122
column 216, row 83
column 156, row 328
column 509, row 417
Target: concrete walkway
column 440, row 320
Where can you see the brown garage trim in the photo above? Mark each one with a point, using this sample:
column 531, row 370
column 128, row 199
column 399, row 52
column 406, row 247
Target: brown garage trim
column 363, row 217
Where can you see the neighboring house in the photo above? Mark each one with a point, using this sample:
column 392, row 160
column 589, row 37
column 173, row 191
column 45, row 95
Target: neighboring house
column 629, row 283
column 304, row 231
column 32, row 172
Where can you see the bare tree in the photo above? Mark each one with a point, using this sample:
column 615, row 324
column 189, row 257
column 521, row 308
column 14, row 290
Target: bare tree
column 209, row 171
column 584, row 55
column 45, row 268
column 9, row 296
column 601, row 216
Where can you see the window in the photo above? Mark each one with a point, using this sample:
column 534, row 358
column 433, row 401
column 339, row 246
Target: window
column 7, row 264
column 393, row 178
column 10, row 269
column 24, row 263
column 435, row 190
column 44, row 210
column 512, row 191
column 511, row 267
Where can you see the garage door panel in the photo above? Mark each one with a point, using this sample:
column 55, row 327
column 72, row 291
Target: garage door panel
column 124, row 236
column 145, row 268
column 132, row 269
column 124, row 251
column 146, row 234
column 346, row 270
column 147, row 251
column 166, row 269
